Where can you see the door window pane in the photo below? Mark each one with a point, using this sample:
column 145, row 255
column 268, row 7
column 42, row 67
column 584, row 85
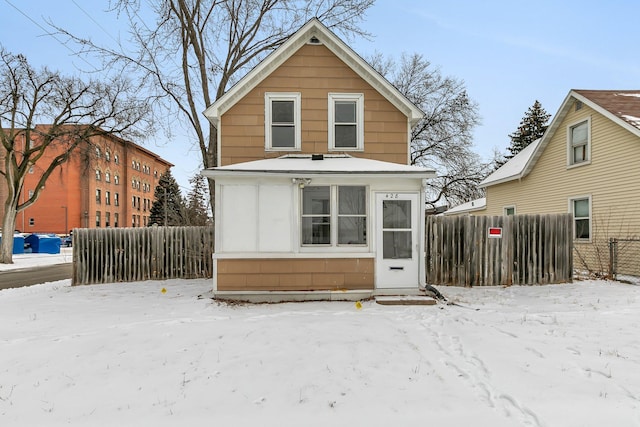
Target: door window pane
column 396, row 245
column 396, row 214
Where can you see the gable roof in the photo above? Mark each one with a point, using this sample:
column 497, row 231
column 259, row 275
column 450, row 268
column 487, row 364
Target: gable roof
column 312, row 29
column 620, row 106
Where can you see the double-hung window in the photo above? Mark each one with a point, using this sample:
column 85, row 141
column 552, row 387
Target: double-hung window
column 334, row 215
column 346, row 121
column 581, row 210
column 579, row 143
column 282, row 121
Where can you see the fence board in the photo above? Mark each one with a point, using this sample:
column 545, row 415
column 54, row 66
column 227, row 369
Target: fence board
column 136, row 254
column 534, row 249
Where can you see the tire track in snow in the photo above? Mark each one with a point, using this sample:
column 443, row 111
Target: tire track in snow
column 472, row 369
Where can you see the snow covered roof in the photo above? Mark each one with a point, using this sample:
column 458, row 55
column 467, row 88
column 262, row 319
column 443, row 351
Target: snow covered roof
column 308, row 165
column 620, row 106
column 514, row 167
column 472, row 206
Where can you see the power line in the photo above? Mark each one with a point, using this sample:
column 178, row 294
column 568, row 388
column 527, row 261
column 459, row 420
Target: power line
column 48, row 33
column 95, row 22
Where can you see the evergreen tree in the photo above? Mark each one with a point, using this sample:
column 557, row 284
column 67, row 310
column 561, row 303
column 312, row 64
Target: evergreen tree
column 168, row 206
column 197, row 208
column 532, row 126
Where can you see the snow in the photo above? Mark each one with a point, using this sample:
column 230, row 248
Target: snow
column 473, row 205
column 34, row 260
column 514, row 168
column 330, row 164
column 635, row 121
column 131, row 354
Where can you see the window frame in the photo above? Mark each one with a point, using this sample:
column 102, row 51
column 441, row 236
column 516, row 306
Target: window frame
column 571, row 163
column 269, row 97
column 506, row 208
column 572, row 201
column 358, row 98
column 334, row 219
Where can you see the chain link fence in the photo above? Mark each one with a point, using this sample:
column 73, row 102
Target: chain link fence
column 624, row 264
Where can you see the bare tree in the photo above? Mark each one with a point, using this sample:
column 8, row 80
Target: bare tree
column 443, row 138
column 197, row 49
column 73, row 111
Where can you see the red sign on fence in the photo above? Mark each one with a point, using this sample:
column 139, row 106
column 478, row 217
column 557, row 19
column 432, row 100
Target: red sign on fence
column 495, row 232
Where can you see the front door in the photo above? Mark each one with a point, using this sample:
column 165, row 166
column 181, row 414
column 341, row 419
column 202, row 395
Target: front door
column 397, row 263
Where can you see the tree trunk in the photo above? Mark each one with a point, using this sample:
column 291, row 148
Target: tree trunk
column 8, row 227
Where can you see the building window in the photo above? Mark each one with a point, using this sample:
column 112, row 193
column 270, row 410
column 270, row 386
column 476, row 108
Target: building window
column 31, row 169
column 323, row 223
column 581, row 209
column 32, row 222
column 133, row 201
column 116, row 199
column 98, row 175
column 282, row 121
column 107, row 177
column 133, row 220
column 107, row 197
column 98, row 153
column 579, row 137
column 107, row 156
column 116, row 217
column 144, row 221
column 98, row 196
column 155, row 174
column 509, row 210
column 138, row 203
column 116, row 159
column 346, row 121
column 116, row 179
column 97, row 218
column 30, row 193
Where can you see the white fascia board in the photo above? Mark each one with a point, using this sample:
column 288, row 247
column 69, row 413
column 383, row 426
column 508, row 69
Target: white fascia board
column 214, row 174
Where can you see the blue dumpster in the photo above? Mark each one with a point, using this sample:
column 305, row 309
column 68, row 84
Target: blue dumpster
column 44, row 243
column 18, row 243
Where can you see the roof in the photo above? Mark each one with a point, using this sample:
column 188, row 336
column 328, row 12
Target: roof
column 313, row 28
column 305, row 165
column 513, row 168
column 620, row 106
column 472, row 206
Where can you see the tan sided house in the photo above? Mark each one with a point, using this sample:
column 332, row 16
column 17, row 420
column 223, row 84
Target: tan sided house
column 587, row 164
column 315, row 197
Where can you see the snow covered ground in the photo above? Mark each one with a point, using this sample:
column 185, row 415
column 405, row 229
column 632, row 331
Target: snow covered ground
column 130, row 354
column 34, row 260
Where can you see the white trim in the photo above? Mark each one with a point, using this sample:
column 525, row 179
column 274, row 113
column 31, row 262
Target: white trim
column 504, row 209
column 358, row 98
column 570, row 126
column 572, row 199
column 269, row 97
column 301, row 255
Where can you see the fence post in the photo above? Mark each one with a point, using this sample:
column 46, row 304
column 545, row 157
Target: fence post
column 613, row 246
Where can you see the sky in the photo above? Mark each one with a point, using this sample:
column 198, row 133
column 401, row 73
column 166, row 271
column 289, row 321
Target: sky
column 508, row 53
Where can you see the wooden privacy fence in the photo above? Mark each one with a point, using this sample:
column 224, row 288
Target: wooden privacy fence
column 106, row 255
column 521, row 250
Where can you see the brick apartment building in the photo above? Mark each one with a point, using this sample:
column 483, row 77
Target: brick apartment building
column 107, row 182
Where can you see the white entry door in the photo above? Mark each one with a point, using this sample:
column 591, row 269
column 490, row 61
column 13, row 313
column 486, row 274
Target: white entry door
column 397, row 263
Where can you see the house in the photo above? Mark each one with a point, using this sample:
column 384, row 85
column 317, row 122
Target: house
column 585, row 164
column 314, row 196
column 107, row 182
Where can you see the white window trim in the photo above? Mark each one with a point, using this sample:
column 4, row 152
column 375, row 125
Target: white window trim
column 570, row 126
column 359, row 100
column 504, row 209
column 282, row 96
column 573, row 220
column 334, row 246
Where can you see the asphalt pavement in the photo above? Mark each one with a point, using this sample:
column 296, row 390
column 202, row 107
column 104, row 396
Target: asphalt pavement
column 34, row 275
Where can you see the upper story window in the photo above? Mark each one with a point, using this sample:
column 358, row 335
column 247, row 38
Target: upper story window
column 116, row 159
column 98, row 175
column 98, row 152
column 107, row 177
column 116, row 179
column 346, row 121
column 107, row 155
column 579, row 143
column 282, row 121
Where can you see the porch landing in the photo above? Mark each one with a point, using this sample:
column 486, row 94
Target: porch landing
column 389, row 295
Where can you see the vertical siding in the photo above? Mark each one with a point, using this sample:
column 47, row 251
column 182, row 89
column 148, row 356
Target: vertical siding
column 314, row 71
column 612, row 179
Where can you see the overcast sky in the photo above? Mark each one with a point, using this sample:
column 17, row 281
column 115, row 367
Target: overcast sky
column 508, row 53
